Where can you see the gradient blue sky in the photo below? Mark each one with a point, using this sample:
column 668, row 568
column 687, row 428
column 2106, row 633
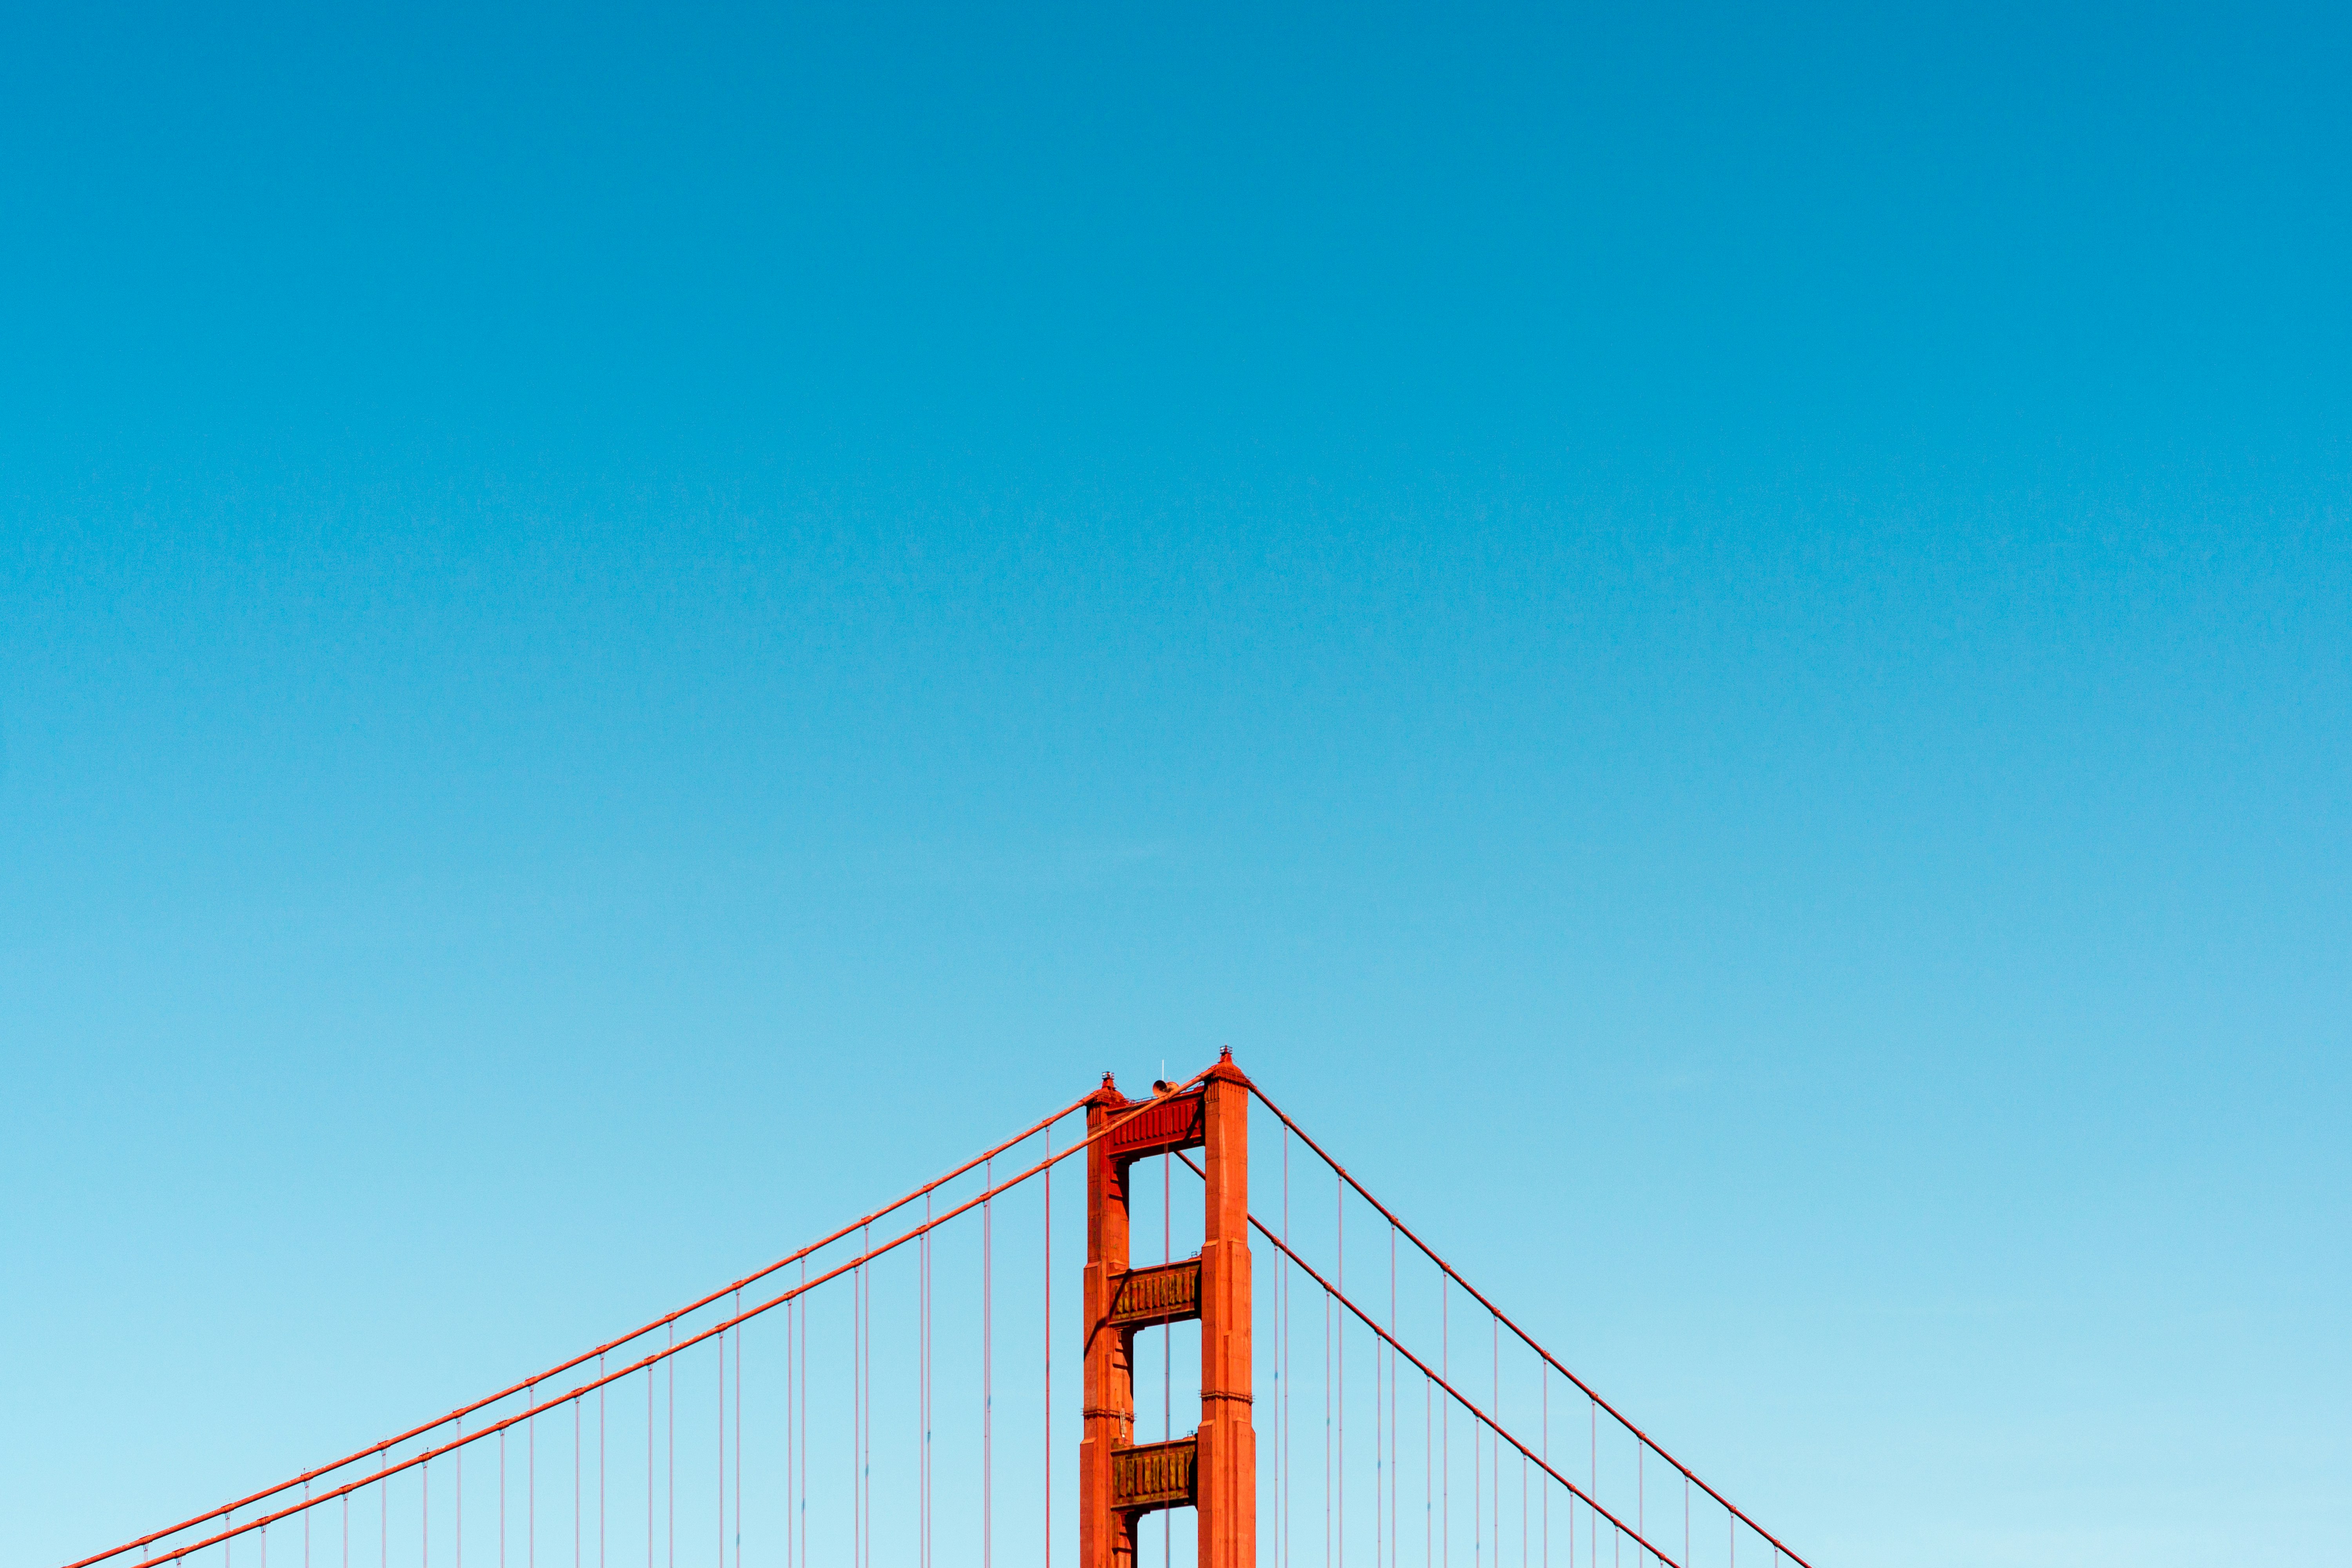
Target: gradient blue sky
column 1722, row 634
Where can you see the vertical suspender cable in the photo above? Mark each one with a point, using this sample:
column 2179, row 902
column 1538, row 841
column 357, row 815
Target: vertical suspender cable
column 600, row 1464
column 1049, row 1348
column 791, row 1489
column 1339, row 1374
column 988, row 1373
column 575, row 1481
column 923, row 1392
column 857, row 1408
column 865, row 1424
column 669, row 1456
column 461, row 1459
column 531, row 1481
column 1378, row 1453
column 722, row 1451
column 649, row 1468
column 738, row 1432
column 862, row 1441
column 804, row 1395
column 857, row 1412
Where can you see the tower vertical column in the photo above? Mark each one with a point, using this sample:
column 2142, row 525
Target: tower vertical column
column 1106, row 1532
column 1228, row 1443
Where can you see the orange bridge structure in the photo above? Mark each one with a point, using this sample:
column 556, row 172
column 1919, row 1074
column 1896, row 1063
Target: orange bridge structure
column 1369, row 1405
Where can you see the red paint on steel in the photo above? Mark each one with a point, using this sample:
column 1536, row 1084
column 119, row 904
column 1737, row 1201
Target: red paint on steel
column 1155, row 1476
column 1166, row 1124
column 1160, row 1293
column 1223, row 1449
column 1228, row 1442
column 1106, row 1534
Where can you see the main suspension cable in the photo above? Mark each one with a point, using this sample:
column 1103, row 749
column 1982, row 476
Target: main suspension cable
column 1369, row 1322
column 561, row 1368
column 1525, row 1339
column 654, row 1357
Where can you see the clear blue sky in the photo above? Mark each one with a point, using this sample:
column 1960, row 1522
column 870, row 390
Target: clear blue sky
column 1721, row 635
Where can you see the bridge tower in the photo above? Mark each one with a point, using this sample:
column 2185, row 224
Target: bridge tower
column 1215, row 1471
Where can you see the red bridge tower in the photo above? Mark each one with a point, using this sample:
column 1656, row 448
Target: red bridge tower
column 1215, row 1471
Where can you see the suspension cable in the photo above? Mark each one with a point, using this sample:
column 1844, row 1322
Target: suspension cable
column 669, row 1457
column 721, row 1450
column 649, row 1468
column 600, row 1469
column 1524, row 1337
column 988, row 1380
column 1369, row 1322
column 738, row 1439
column 381, row 1451
column 1047, row 1181
column 586, row 1357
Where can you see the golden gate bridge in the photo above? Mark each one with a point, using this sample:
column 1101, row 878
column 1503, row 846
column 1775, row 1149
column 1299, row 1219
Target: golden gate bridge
column 1358, row 1403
